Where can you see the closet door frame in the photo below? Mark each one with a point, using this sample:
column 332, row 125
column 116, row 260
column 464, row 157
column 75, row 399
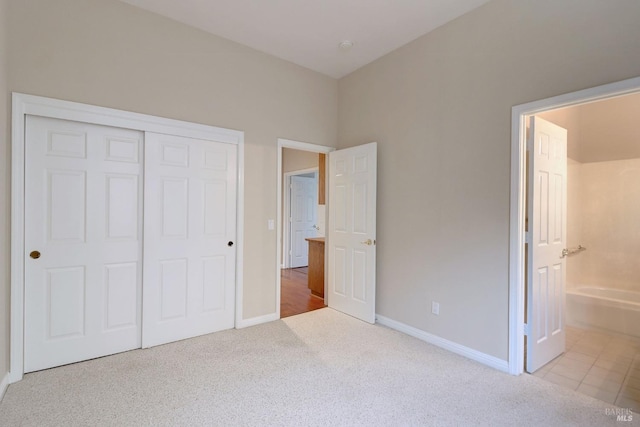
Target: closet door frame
column 24, row 105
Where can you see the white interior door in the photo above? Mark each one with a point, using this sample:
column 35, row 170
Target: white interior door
column 189, row 232
column 547, row 237
column 304, row 211
column 351, row 238
column 83, row 215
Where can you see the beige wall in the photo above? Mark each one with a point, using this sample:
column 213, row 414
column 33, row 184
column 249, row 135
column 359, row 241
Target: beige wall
column 296, row 160
column 609, row 206
column 4, row 196
column 111, row 54
column 440, row 109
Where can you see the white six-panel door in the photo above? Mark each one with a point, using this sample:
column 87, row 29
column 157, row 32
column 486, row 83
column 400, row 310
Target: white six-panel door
column 304, row 211
column 189, row 235
column 351, row 235
column 83, row 215
column 86, row 229
column 547, row 213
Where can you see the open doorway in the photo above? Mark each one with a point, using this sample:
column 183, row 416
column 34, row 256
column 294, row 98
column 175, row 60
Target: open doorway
column 600, row 355
column 301, row 227
column 601, row 291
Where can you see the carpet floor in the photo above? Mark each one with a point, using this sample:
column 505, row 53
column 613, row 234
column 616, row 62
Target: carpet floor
column 321, row 368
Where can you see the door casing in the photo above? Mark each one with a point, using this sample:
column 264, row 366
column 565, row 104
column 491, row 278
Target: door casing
column 23, row 105
column 518, row 200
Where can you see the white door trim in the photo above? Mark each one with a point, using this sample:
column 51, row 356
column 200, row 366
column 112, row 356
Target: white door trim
column 296, row 145
column 518, row 195
column 286, row 244
column 23, row 105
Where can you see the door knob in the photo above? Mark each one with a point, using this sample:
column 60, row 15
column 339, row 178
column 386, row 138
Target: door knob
column 368, row 242
column 34, row 254
column 230, row 244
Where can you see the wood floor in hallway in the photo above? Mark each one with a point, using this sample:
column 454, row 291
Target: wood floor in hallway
column 295, row 296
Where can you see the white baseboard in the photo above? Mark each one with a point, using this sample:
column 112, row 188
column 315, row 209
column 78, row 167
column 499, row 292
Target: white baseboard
column 485, row 359
column 245, row 323
column 4, row 384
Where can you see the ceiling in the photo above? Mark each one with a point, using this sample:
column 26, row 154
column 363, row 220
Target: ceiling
column 308, row 32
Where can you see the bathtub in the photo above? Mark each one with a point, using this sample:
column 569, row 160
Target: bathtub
column 602, row 308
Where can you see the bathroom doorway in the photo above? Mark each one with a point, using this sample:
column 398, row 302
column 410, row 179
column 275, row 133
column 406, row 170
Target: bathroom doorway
column 602, row 192
column 602, row 299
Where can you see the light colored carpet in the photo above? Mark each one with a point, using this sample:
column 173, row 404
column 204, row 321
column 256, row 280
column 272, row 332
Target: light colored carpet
column 320, row 368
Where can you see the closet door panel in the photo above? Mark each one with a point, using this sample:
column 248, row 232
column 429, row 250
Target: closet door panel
column 190, row 230
column 83, row 231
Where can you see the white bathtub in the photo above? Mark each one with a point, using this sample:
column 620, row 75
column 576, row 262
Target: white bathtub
column 602, row 308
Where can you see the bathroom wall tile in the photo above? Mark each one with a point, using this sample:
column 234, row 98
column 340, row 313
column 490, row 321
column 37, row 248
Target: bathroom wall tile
column 610, row 206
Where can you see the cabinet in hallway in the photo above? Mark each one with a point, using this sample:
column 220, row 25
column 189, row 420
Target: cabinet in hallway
column 316, row 265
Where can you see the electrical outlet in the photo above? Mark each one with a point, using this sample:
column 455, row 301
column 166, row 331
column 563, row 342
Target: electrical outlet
column 271, row 224
column 435, row 308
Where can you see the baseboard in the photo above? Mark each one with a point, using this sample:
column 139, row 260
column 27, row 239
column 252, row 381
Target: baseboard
column 245, row 323
column 485, row 359
column 3, row 385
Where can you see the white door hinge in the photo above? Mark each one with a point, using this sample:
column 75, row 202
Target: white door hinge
column 526, row 330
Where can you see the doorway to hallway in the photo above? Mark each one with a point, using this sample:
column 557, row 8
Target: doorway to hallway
column 295, row 295
column 301, row 215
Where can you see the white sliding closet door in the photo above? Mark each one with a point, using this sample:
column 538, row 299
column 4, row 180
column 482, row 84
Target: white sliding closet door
column 83, row 239
column 189, row 234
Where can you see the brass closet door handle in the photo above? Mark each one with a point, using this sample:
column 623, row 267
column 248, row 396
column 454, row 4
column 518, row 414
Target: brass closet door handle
column 34, row 254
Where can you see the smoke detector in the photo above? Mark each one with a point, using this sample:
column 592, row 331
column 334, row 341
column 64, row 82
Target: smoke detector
column 345, row 45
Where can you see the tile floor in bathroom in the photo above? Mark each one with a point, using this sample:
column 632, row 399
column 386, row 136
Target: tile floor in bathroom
column 601, row 365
